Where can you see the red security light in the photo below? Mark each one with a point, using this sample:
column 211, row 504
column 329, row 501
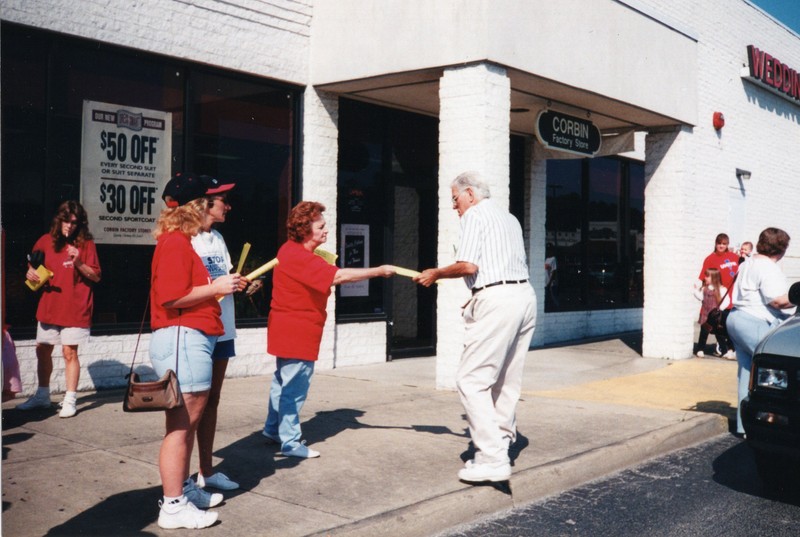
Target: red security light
column 719, row 120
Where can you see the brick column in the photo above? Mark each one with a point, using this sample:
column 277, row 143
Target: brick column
column 474, row 119
column 320, row 153
column 670, row 209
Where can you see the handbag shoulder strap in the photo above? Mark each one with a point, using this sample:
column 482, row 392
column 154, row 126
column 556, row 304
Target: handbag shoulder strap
column 728, row 290
column 139, row 337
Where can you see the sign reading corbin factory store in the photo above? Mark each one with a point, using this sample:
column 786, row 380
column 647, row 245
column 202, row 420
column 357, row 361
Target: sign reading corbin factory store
column 567, row 133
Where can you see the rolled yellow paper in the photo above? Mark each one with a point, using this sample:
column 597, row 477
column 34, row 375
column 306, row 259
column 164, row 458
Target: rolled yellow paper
column 263, row 269
column 269, row 265
column 245, row 251
column 406, row 272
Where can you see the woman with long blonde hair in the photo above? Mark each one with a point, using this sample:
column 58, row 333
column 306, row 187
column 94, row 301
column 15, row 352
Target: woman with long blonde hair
column 185, row 318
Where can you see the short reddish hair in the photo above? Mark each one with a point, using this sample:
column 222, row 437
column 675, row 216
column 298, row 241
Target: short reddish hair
column 298, row 225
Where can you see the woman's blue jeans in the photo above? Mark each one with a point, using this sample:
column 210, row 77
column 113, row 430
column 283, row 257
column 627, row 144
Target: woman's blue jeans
column 287, row 395
column 746, row 331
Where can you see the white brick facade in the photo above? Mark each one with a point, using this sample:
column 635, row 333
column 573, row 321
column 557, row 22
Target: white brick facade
column 269, row 39
column 691, row 191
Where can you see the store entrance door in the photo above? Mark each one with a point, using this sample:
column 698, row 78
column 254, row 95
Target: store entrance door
column 412, row 308
column 388, row 211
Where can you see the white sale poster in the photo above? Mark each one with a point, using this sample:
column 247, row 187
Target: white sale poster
column 125, row 162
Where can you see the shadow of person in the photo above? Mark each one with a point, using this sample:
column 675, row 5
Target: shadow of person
column 13, row 418
column 736, row 469
column 111, row 373
column 723, row 408
column 247, row 461
column 124, row 514
column 14, row 438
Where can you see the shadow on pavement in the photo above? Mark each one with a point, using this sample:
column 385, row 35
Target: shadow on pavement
column 118, row 515
column 723, row 408
column 736, row 469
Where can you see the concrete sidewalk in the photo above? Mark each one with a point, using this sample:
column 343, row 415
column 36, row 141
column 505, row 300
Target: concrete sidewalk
column 391, row 447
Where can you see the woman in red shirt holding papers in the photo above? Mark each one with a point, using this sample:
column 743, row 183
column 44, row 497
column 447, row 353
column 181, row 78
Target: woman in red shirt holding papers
column 65, row 309
column 185, row 318
column 300, row 290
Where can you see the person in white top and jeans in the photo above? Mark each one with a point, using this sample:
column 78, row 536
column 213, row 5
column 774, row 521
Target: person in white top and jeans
column 760, row 301
column 499, row 321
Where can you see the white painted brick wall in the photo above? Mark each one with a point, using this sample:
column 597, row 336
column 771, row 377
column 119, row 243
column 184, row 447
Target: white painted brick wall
column 263, row 38
column 688, row 203
column 360, row 343
column 473, row 135
column 105, row 360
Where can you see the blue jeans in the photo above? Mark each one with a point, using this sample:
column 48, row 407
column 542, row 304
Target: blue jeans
column 746, row 331
column 287, row 394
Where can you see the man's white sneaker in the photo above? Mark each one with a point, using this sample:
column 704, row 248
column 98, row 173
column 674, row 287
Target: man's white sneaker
column 700, row 354
column 184, row 515
column 480, row 472
column 217, row 480
column 199, row 497
column 35, row 401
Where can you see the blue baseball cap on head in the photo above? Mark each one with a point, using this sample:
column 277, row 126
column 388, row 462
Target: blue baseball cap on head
column 187, row 186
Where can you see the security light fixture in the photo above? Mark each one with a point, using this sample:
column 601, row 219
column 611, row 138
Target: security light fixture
column 742, row 174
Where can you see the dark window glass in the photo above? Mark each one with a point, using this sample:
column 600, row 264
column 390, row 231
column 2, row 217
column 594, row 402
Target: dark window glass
column 388, row 162
column 595, row 225
column 237, row 128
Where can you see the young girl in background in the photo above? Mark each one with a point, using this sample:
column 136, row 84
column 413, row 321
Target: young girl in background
column 710, row 294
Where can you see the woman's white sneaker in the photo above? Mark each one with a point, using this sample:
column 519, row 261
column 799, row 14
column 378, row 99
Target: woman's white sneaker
column 184, row 515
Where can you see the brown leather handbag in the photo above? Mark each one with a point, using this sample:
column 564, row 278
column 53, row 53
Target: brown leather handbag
column 162, row 394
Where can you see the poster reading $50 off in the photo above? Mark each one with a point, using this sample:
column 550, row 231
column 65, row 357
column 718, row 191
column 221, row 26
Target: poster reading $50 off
column 125, row 162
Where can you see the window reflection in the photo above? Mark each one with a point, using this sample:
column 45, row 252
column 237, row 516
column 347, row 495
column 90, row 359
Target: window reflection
column 594, row 234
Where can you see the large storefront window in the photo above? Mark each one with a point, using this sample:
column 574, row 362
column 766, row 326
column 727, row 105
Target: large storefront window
column 595, row 233
column 237, row 128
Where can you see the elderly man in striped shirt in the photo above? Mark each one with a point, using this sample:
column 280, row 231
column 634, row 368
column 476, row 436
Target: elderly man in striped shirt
column 499, row 320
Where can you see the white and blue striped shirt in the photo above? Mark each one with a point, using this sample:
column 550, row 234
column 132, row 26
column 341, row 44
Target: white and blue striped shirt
column 491, row 238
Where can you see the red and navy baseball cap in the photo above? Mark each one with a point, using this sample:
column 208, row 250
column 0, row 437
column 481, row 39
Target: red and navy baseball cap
column 187, row 186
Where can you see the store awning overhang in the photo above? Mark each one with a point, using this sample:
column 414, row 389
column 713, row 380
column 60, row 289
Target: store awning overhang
column 619, row 62
column 418, row 92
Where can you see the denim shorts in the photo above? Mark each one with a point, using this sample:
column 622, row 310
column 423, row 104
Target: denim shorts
column 51, row 334
column 195, row 348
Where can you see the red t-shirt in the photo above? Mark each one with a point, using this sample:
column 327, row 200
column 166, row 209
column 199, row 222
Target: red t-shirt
column 728, row 265
column 68, row 297
column 176, row 269
column 301, row 286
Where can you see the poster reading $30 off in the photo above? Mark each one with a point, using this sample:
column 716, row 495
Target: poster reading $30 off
column 125, row 162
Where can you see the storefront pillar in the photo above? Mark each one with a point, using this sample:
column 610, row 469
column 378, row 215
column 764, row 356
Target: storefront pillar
column 670, row 310
column 474, row 121
column 320, row 151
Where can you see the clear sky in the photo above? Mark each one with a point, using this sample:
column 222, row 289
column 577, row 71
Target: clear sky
column 786, row 11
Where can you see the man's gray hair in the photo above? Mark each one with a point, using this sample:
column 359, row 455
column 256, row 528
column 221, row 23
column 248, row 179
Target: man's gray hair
column 472, row 180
